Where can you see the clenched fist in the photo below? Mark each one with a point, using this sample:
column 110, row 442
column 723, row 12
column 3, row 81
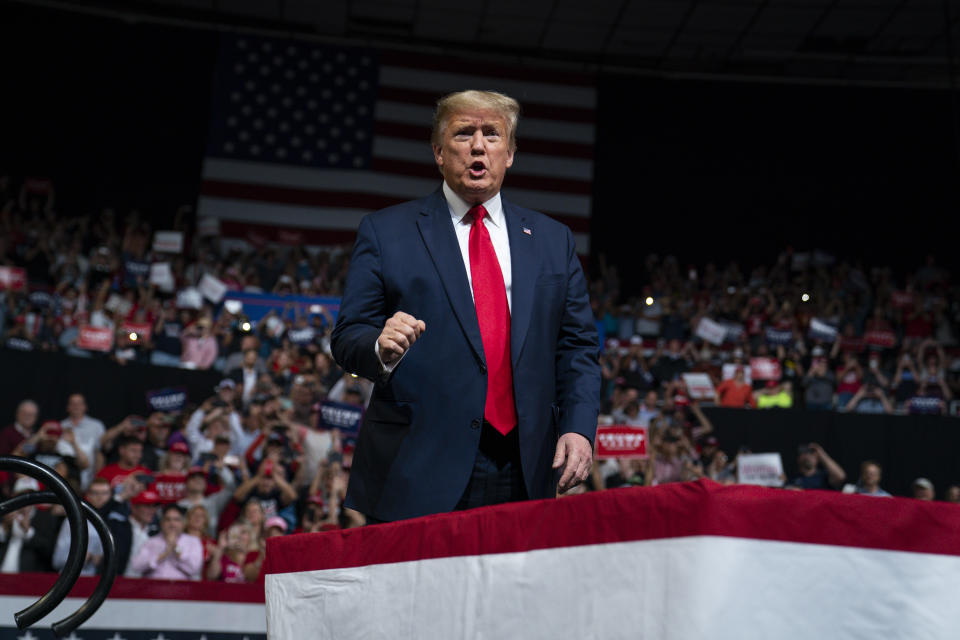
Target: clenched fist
column 398, row 335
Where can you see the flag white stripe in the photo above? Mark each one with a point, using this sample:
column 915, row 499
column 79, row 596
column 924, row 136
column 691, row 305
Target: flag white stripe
column 529, row 164
column 722, row 588
column 554, row 130
column 304, row 217
column 522, row 90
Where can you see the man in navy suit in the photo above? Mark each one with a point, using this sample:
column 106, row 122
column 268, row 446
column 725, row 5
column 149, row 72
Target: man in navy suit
column 472, row 317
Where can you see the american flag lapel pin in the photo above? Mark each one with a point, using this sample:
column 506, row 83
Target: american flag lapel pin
column 527, row 231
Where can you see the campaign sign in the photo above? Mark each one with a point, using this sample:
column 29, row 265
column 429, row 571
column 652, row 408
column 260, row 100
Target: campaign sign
column 733, row 331
column 95, row 338
column 712, row 332
column 170, row 486
column 342, row 416
column 168, row 241
column 762, row 469
column 820, row 330
column 621, row 441
column 136, row 270
column 301, row 336
column 885, row 339
column 41, row 299
column 162, row 276
column 118, row 304
column 779, row 336
column 13, row 278
column 764, row 369
column 189, row 298
column 212, row 288
column 699, row 385
column 167, row 399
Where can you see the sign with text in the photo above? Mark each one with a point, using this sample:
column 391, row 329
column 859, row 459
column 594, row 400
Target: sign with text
column 764, row 369
column 820, row 330
column 885, row 339
column 764, row 469
column 730, row 369
column 141, row 329
column 189, row 298
column 212, row 288
column 901, row 299
column 171, row 486
column 342, row 416
column 779, row 336
column 95, row 338
column 13, row 278
column 168, row 241
column 699, row 386
column 162, row 276
column 621, row 441
column 167, row 399
column 712, row 332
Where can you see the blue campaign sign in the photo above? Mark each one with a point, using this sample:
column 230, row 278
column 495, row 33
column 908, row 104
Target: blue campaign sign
column 257, row 305
column 342, row 416
column 169, row 399
column 777, row 336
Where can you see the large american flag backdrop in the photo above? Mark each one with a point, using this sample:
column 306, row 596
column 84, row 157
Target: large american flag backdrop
column 306, row 138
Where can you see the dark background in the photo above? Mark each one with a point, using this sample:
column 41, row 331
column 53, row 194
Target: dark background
column 116, row 112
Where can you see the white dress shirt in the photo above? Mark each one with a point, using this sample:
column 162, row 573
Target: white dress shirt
column 495, row 222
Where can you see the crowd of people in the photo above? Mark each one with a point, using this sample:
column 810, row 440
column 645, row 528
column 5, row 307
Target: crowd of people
column 194, row 493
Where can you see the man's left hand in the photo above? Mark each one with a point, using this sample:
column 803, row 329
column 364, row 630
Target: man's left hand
column 575, row 455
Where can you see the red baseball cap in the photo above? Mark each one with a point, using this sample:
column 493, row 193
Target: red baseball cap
column 146, row 497
column 54, row 430
column 179, row 447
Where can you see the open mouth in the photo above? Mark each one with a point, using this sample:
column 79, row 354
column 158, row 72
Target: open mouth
column 477, row 170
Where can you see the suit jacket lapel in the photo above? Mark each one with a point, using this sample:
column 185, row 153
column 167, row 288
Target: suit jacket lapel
column 524, row 270
column 438, row 235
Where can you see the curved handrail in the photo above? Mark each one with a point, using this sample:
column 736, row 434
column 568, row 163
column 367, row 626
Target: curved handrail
column 78, row 536
column 108, row 571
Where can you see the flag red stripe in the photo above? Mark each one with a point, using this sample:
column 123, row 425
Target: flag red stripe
column 528, row 109
column 421, row 133
column 320, row 237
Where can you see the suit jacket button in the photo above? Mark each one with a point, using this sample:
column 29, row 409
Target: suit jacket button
column 483, row 368
column 476, row 423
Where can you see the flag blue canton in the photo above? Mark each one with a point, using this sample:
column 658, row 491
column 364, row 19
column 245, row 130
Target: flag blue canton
column 293, row 103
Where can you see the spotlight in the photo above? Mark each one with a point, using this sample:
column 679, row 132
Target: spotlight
column 245, row 326
column 649, row 301
column 805, row 297
column 133, row 336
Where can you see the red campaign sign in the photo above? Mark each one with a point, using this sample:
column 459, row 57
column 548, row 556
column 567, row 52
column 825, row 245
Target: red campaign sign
column 170, row 486
column 142, row 329
column 13, row 279
column 901, row 299
column 764, row 369
column 880, row 338
column 621, row 441
column 292, row 238
column 95, row 338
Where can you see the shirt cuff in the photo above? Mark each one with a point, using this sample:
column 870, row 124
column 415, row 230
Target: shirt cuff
column 385, row 369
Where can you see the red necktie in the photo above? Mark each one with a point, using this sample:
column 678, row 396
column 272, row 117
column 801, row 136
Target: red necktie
column 493, row 315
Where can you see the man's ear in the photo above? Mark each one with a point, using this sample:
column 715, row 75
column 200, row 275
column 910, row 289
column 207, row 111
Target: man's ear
column 438, row 154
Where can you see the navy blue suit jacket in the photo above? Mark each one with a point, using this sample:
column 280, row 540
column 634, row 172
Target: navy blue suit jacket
column 419, row 436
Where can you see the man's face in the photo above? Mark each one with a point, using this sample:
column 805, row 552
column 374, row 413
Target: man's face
column 76, row 406
column 143, row 513
column 807, row 461
column 98, row 494
column 871, row 474
column 27, row 415
column 651, row 399
column 196, row 483
column 922, row 493
column 474, row 154
column 249, row 358
column 131, row 453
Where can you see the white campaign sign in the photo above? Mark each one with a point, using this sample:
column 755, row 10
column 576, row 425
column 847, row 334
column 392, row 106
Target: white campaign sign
column 212, row 288
column 162, row 276
column 711, row 331
column 762, row 469
column 699, row 385
column 168, row 241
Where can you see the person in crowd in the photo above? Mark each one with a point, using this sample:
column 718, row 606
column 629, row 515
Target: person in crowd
column 170, row 479
column 870, row 475
column 269, row 487
column 129, row 452
column 274, row 526
column 24, row 420
column 819, row 384
column 849, row 377
column 172, row 554
column 133, row 426
column 774, row 395
column 233, row 560
column 198, row 525
column 216, row 416
column 672, row 460
column 157, row 441
column 57, row 449
column 131, row 531
column 98, row 494
column 922, row 489
column 198, row 492
column 248, row 374
column 869, row 399
column 816, row 469
column 200, row 348
column 27, row 534
column 735, row 392
column 86, row 430
column 952, row 494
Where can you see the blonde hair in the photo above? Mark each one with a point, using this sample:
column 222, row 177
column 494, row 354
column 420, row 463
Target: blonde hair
column 501, row 104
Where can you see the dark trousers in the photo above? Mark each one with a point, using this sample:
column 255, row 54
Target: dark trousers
column 497, row 475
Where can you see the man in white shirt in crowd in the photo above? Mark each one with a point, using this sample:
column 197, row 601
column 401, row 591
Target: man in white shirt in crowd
column 87, row 431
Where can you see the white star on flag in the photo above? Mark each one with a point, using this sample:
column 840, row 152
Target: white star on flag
column 27, row 636
column 116, row 636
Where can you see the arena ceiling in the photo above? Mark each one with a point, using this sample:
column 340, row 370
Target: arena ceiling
column 846, row 41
